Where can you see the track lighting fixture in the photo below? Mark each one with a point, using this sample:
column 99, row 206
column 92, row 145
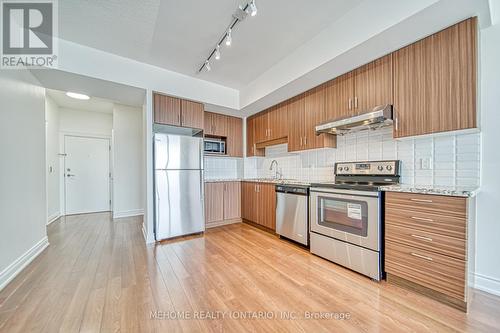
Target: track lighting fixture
column 239, row 15
column 217, row 52
column 229, row 38
column 253, row 8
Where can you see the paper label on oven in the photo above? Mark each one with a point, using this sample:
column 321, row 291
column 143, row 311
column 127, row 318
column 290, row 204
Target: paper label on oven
column 354, row 211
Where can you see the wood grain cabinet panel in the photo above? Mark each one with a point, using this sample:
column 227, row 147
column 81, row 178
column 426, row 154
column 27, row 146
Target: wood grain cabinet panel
column 214, row 202
column 278, row 122
column 234, row 139
column 296, row 118
column 251, row 149
column 261, row 128
column 373, row 85
column 192, row 114
column 315, row 114
column 435, row 82
column 232, row 200
column 339, row 97
column 167, row 110
column 426, row 244
column 208, row 124
column 249, row 201
column 267, row 197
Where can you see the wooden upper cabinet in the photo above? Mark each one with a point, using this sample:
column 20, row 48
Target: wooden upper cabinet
column 435, row 82
column 220, row 124
column 339, row 97
column 234, row 137
column 315, row 114
column 208, row 126
column 296, row 117
column 232, row 200
column 167, row 110
column 373, row 85
column 278, row 122
column 261, row 127
column 192, row 114
column 216, row 124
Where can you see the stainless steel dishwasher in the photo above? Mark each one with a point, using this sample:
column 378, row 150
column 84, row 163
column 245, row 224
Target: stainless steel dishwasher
column 292, row 212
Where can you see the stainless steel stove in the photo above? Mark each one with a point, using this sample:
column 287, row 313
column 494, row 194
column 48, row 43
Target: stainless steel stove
column 346, row 215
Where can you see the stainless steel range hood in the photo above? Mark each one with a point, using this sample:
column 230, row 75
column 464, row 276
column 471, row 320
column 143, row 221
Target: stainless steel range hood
column 380, row 116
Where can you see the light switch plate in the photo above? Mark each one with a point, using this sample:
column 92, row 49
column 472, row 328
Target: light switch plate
column 426, row 163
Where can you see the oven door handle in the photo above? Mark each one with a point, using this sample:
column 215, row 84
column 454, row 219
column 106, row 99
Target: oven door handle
column 345, row 195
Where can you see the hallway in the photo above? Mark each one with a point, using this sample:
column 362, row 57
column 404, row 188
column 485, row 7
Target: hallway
column 98, row 275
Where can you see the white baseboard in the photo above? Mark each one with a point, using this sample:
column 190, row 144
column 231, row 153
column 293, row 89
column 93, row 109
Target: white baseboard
column 9, row 273
column 128, row 213
column 53, row 218
column 487, row 283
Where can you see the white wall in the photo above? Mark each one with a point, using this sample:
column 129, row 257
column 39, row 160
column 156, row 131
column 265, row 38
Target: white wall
column 128, row 176
column 488, row 200
column 85, row 122
column 52, row 158
column 23, row 207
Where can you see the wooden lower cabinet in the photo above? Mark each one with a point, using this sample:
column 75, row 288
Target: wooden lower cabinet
column 222, row 203
column 426, row 245
column 258, row 203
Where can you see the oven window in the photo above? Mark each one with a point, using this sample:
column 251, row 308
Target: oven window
column 350, row 216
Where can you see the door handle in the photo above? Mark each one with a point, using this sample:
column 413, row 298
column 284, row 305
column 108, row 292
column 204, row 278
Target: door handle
column 356, row 102
column 422, row 219
column 70, row 175
column 349, row 104
column 301, row 141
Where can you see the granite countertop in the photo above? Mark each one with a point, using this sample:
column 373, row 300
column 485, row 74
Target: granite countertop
column 454, row 191
column 258, row 180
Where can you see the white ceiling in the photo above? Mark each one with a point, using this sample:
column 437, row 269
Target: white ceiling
column 179, row 35
column 97, row 88
column 93, row 104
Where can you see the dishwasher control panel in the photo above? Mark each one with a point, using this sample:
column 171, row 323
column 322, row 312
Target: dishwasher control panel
column 301, row 190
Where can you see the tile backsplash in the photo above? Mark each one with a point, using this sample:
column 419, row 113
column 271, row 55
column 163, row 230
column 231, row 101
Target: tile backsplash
column 445, row 159
column 223, row 167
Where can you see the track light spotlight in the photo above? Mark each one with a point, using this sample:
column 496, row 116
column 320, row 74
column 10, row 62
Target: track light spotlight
column 207, row 66
column 217, row 52
column 253, row 8
column 229, row 39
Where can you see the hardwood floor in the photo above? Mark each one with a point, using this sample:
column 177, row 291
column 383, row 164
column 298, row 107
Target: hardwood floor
column 98, row 275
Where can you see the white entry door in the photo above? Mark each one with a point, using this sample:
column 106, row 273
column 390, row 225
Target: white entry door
column 86, row 174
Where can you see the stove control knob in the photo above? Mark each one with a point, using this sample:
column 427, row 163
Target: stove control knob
column 346, row 169
column 380, row 168
column 389, row 167
column 340, row 168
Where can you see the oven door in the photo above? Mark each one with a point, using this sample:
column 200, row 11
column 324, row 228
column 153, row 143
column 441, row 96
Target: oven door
column 347, row 215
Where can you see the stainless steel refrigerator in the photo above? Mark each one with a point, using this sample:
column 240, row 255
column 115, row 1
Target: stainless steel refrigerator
column 179, row 208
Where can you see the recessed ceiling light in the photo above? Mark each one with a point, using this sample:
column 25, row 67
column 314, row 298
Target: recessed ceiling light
column 77, row 95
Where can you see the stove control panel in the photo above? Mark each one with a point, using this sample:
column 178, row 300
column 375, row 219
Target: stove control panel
column 386, row 168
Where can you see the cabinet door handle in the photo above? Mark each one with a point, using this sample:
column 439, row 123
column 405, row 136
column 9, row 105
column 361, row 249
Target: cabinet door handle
column 301, row 141
column 421, row 256
column 396, row 123
column 179, row 118
column 305, row 141
column 356, row 102
column 422, row 237
column 421, row 200
column 350, row 104
column 422, row 219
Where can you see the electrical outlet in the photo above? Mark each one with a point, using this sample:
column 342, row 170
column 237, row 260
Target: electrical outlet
column 425, row 163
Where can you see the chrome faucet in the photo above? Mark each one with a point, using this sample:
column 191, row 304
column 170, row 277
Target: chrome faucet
column 277, row 173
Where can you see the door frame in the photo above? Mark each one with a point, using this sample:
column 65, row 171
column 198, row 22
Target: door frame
column 62, row 165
